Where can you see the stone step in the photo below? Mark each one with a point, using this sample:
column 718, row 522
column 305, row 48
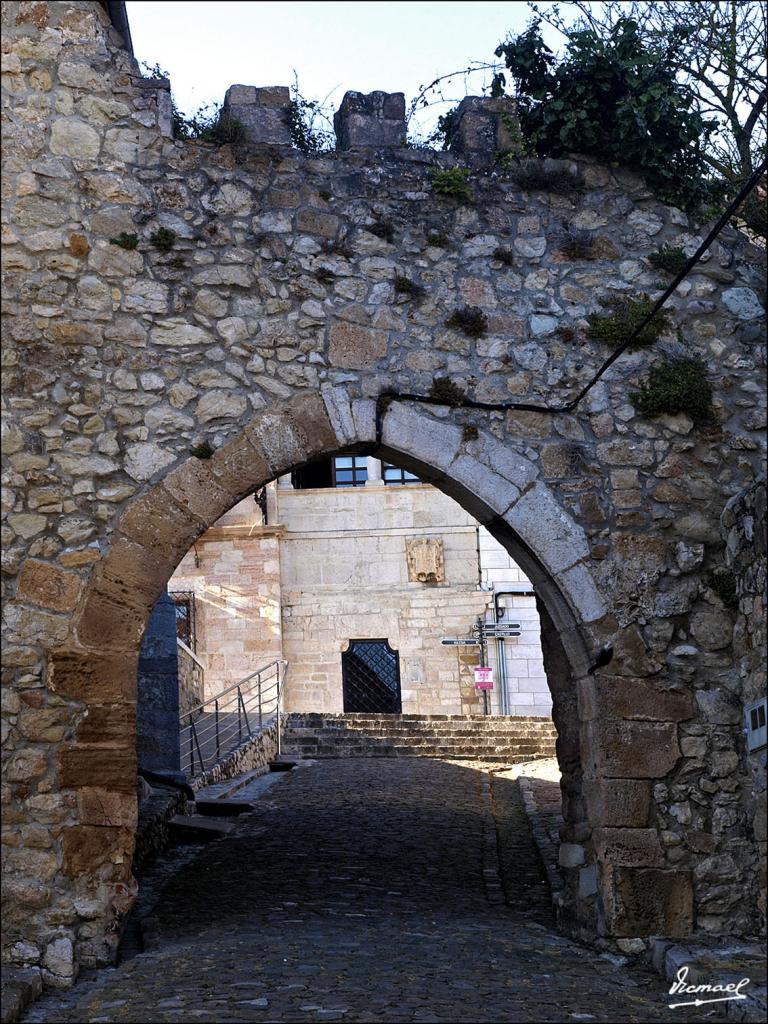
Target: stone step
column 222, row 808
column 194, row 827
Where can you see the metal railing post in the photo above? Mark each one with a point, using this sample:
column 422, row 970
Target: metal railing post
column 218, row 742
column 261, row 717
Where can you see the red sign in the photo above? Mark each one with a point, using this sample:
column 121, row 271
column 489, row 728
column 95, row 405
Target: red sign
column 484, row 678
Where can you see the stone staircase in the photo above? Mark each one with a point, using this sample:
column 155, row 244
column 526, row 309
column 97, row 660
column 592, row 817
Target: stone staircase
column 472, row 737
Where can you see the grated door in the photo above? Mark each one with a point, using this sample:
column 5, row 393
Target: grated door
column 371, row 678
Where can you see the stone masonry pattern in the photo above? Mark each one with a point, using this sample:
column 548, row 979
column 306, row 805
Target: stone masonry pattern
column 267, row 331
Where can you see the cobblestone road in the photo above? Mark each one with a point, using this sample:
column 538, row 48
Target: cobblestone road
column 356, row 892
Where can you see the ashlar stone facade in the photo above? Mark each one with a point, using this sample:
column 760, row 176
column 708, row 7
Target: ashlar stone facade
column 333, row 564
column 268, row 331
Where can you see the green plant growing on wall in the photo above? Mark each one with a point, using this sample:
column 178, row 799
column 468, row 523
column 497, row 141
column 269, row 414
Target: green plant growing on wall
column 446, row 391
column 505, row 256
column 676, row 386
column 125, row 240
column 177, row 262
column 469, row 320
column 469, row 432
column 670, row 258
column 566, row 333
column 438, row 239
column 577, row 244
column 616, row 97
column 203, row 450
column 625, row 316
column 453, row 182
column 405, row 286
column 382, row 229
column 520, row 145
column 163, row 239
column 223, row 129
column 723, row 583
column 537, row 176
column 310, row 125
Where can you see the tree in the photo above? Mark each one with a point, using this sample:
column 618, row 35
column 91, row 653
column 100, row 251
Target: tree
column 717, row 51
column 615, row 97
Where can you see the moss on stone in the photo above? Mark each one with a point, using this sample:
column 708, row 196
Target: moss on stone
column 163, row 239
column 405, row 286
column 723, row 583
column 675, row 386
column 469, row 320
column 444, row 390
column 670, row 258
column 125, row 240
column 625, row 316
column 452, row 182
column 203, row 450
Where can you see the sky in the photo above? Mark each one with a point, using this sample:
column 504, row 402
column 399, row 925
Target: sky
column 396, row 47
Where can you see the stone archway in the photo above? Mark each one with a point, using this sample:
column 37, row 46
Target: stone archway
column 96, row 666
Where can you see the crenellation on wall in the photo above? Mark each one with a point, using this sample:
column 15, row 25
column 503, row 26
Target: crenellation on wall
column 265, row 330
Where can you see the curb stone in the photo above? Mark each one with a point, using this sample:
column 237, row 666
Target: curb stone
column 21, row 986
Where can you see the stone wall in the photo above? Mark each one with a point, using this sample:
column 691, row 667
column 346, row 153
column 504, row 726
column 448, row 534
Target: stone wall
column 744, row 530
column 345, row 576
column 331, row 566
column 234, row 573
column 191, row 681
column 267, row 331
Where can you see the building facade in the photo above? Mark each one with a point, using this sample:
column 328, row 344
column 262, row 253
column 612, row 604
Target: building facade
column 354, row 559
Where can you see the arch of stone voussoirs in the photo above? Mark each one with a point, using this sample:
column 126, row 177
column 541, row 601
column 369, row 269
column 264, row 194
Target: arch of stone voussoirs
column 498, row 486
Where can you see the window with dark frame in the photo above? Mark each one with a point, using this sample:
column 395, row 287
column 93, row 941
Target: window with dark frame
column 185, row 617
column 350, row 471
column 395, row 475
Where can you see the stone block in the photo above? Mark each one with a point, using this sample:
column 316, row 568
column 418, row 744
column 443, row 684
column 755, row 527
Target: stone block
column 408, row 432
column 617, row 802
column 48, row 586
column 111, row 619
column 295, row 434
column 196, row 489
column 647, row 901
column 629, row 749
column 99, row 806
column 370, row 121
column 108, row 723
column 649, row 699
column 487, row 492
column 240, row 466
column 263, row 112
column 547, row 529
column 102, row 678
column 579, row 587
column 351, row 346
column 160, row 526
column 87, row 848
column 134, row 567
column 629, row 847
column 110, row 767
column 486, row 125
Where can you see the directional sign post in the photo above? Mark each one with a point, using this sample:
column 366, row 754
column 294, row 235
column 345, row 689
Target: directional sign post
column 461, row 641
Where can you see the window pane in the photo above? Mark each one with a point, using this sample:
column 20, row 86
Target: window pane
column 361, row 462
column 343, row 461
column 343, row 475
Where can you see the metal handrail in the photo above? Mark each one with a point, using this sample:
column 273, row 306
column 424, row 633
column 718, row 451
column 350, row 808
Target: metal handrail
column 207, row 735
column 234, row 686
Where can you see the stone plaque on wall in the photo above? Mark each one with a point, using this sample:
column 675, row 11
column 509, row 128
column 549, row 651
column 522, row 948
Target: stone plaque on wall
column 425, row 560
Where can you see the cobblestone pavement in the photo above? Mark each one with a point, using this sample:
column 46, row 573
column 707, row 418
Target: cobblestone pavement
column 356, row 892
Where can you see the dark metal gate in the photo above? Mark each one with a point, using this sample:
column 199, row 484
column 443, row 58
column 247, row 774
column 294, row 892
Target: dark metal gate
column 371, row 677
